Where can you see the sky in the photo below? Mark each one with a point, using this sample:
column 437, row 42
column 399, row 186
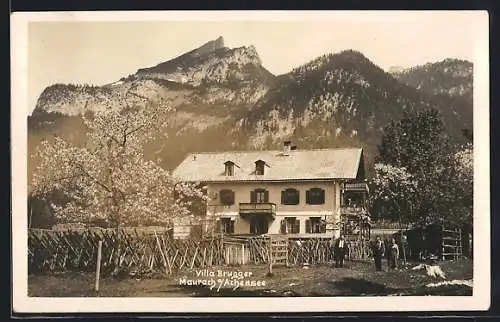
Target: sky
column 102, row 49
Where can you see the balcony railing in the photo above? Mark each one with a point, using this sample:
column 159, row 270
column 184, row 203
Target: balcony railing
column 257, row 208
column 358, row 186
column 352, row 210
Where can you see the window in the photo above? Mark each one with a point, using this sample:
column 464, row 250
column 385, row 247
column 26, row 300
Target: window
column 226, row 197
column 227, row 225
column 290, row 225
column 259, row 196
column 259, row 167
column 315, row 196
column 315, row 225
column 229, row 168
column 290, row 196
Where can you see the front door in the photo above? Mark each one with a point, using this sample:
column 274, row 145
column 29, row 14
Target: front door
column 259, row 225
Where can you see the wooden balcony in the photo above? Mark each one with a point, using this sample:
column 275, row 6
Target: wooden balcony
column 255, row 208
column 352, row 210
column 358, row 186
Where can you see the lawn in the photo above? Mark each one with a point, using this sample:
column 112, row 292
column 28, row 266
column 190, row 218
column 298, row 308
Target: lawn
column 356, row 279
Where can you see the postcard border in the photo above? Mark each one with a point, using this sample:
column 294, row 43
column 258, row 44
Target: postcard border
column 480, row 299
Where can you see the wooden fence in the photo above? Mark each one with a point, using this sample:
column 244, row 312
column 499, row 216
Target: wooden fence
column 144, row 252
column 130, row 251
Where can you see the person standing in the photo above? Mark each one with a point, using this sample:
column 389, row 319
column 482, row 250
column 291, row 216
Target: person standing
column 340, row 250
column 394, row 254
column 378, row 253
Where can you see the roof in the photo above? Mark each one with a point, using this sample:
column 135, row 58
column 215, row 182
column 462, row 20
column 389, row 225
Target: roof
column 298, row 165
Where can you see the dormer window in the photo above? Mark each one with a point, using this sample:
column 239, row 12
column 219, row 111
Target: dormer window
column 259, row 167
column 229, row 168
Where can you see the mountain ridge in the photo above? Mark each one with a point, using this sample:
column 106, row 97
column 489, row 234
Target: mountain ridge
column 450, row 76
column 348, row 92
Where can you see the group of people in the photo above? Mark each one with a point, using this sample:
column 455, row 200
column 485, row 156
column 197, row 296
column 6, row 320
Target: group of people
column 379, row 250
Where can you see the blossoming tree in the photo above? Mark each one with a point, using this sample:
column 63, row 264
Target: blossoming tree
column 109, row 178
column 395, row 191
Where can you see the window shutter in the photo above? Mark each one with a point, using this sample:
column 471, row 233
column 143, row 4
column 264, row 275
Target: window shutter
column 308, row 226
column 266, row 196
column 322, row 196
column 252, row 196
column 218, row 226
column 296, row 197
column 283, row 197
column 323, row 226
column 297, row 226
column 308, row 196
column 283, row 226
column 226, row 197
column 231, row 227
column 232, row 198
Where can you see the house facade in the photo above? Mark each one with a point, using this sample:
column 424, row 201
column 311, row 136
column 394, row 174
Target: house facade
column 296, row 192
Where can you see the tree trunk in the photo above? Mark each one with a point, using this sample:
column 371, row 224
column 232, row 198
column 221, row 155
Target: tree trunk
column 117, row 252
column 116, row 215
column 401, row 237
column 30, row 216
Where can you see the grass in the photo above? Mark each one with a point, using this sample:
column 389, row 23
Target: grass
column 356, row 279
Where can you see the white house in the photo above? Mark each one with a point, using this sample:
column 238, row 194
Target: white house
column 298, row 192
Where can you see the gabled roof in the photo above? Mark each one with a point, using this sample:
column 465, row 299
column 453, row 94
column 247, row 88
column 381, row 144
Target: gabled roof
column 298, row 165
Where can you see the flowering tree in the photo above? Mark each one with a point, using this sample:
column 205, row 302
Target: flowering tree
column 109, row 177
column 463, row 176
column 394, row 190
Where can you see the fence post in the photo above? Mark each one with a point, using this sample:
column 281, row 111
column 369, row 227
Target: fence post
column 270, row 257
column 98, row 269
column 442, row 242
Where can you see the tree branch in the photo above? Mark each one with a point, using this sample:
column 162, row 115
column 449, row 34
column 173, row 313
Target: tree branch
column 81, row 168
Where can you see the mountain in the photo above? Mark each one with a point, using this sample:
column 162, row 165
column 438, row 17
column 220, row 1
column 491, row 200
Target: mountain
column 210, row 74
column 451, row 77
column 211, row 63
column 226, row 100
column 341, row 99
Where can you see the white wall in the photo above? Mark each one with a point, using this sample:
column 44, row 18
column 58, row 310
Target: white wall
column 302, row 211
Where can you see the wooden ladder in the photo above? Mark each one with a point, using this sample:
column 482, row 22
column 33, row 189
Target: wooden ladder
column 278, row 250
column 451, row 243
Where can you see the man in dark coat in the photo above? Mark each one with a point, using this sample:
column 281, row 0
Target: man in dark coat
column 340, row 250
column 378, row 253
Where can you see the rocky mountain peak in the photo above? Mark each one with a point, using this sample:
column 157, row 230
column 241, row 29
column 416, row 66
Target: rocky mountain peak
column 210, row 63
column 207, row 74
column 208, row 47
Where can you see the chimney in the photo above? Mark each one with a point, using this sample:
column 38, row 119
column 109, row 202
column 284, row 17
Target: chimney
column 287, row 145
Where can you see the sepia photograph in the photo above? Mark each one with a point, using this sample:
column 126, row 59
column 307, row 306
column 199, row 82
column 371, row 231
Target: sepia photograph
column 250, row 161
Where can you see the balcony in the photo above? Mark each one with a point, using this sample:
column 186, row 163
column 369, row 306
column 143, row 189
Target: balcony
column 356, row 187
column 254, row 208
column 352, row 210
